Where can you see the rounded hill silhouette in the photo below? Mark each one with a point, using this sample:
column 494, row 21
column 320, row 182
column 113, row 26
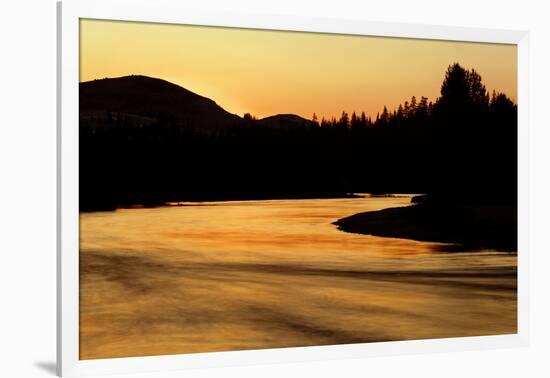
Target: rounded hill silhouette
column 143, row 99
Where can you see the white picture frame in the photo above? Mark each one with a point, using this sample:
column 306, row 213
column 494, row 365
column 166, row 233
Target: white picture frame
column 170, row 11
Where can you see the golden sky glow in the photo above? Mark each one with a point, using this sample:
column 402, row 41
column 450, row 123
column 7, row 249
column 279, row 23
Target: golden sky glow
column 271, row 72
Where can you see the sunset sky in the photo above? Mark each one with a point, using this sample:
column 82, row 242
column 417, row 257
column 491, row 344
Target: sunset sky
column 271, row 72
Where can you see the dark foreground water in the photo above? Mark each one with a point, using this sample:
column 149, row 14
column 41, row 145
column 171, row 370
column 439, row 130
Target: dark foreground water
column 265, row 274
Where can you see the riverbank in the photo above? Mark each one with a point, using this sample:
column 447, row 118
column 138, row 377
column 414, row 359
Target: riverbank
column 471, row 227
column 183, row 201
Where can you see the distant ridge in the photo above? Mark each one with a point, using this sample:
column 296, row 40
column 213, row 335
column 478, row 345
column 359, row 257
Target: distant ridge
column 153, row 99
column 141, row 100
column 284, row 121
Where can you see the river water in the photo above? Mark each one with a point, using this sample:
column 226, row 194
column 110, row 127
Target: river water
column 221, row 276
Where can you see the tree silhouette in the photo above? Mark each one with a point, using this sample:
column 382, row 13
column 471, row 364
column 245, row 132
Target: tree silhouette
column 462, row 146
column 343, row 122
column 315, row 120
column 249, row 117
column 363, row 120
column 463, row 98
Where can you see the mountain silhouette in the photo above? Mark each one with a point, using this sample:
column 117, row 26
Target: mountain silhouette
column 284, row 121
column 142, row 100
column 138, row 100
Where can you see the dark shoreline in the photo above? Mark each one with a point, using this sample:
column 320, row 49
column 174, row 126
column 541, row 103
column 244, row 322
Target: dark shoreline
column 462, row 226
column 198, row 200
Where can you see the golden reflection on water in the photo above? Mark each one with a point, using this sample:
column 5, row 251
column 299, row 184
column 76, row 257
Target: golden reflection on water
column 266, row 274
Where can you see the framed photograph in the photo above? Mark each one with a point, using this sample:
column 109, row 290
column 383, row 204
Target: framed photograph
column 242, row 188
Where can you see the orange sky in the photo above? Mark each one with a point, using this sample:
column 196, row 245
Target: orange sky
column 271, row 72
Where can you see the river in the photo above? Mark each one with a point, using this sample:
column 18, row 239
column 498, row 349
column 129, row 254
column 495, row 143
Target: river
column 221, row 276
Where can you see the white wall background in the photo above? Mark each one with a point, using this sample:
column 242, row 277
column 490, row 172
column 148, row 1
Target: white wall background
column 27, row 187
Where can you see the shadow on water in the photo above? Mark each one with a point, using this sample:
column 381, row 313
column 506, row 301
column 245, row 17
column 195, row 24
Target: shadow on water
column 128, row 271
column 460, row 248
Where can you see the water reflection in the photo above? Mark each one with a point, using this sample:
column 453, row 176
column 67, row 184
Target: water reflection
column 266, row 274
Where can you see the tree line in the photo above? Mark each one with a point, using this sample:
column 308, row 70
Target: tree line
column 462, row 147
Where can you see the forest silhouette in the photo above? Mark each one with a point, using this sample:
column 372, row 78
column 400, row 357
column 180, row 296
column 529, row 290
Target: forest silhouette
column 460, row 148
